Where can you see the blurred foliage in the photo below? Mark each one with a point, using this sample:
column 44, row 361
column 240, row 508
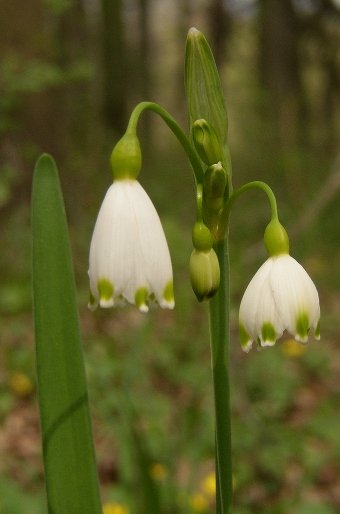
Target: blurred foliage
column 155, row 369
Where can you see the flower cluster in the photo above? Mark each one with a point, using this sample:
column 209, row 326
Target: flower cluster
column 130, row 260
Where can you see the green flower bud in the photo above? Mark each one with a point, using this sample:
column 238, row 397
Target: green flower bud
column 204, row 274
column 206, row 142
column 126, row 158
column 201, row 237
column 204, row 93
column 276, row 239
column 215, row 181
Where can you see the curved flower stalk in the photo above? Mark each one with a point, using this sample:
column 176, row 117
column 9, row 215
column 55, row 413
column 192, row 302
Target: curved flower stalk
column 281, row 296
column 129, row 255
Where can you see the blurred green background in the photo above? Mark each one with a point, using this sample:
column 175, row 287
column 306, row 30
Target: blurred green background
column 70, row 73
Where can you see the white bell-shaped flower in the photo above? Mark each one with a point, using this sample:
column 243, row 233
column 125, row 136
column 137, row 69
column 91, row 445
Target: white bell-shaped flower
column 129, row 255
column 281, row 296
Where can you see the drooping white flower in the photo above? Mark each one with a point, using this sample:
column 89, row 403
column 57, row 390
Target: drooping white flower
column 281, row 296
column 129, row 255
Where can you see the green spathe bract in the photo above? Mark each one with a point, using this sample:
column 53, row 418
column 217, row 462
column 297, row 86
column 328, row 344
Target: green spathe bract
column 204, row 92
column 69, row 459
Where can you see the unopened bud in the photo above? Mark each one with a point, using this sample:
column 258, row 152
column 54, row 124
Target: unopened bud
column 206, row 142
column 204, row 274
column 201, row 237
column 215, row 181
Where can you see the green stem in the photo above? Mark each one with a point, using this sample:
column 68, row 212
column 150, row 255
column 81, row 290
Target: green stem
column 219, row 308
column 224, row 219
column 176, row 129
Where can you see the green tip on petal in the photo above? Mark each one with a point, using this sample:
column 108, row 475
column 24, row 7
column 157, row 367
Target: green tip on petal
column 302, row 328
column 105, row 290
column 268, row 334
column 168, row 296
column 317, row 331
column 141, row 296
column 246, row 342
column 92, row 303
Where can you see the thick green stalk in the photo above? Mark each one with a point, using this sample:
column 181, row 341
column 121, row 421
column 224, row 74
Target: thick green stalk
column 219, row 307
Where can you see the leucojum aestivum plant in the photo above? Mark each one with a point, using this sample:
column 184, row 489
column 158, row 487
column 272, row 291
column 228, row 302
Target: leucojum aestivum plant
column 130, row 262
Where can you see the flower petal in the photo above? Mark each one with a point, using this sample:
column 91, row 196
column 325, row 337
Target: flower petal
column 295, row 296
column 248, row 317
column 129, row 250
column 280, row 296
column 154, row 257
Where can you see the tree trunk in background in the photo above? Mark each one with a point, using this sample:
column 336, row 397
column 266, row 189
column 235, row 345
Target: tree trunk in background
column 28, row 118
column 144, row 49
column 321, row 32
column 279, row 71
column 115, row 80
column 144, row 70
column 21, row 40
column 219, row 20
column 74, row 101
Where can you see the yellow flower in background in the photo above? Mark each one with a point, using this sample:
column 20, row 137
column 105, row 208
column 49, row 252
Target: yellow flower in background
column 291, row 348
column 115, row 508
column 198, row 502
column 208, row 485
column 21, row 384
column 158, row 471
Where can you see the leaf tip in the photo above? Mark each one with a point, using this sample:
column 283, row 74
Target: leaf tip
column 45, row 159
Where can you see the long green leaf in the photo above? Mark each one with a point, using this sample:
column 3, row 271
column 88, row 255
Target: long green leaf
column 69, row 458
